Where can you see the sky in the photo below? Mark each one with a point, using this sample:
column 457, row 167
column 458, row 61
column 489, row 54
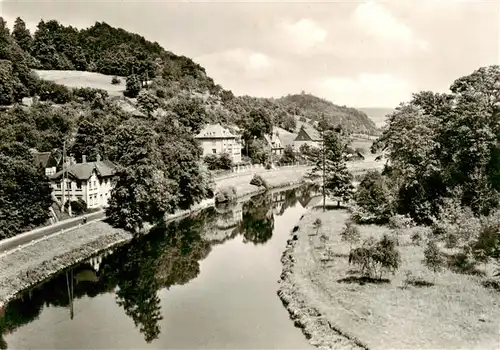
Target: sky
column 355, row 53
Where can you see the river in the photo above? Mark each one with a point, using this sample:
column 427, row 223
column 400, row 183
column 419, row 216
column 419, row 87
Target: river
column 208, row 281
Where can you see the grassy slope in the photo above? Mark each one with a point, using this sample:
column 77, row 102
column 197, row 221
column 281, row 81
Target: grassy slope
column 74, row 79
column 457, row 312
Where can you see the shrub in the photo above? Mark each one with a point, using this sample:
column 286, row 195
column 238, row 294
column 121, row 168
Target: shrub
column 463, row 262
column 350, row 234
column 376, row 257
column 225, row 195
column 487, row 244
column 115, row 80
column 416, row 238
column 218, row 162
column 258, row 181
column 400, row 221
column 50, row 91
column 161, row 93
column 433, row 258
column 89, row 94
column 455, row 224
column 317, row 224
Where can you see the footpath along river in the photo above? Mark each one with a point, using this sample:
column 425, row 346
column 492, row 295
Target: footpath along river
column 208, row 281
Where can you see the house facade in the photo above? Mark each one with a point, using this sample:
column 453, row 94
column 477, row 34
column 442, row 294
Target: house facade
column 307, row 136
column 89, row 181
column 216, row 139
column 274, row 142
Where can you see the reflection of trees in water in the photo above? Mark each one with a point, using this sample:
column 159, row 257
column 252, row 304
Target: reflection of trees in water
column 290, row 200
column 258, row 219
column 167, row 256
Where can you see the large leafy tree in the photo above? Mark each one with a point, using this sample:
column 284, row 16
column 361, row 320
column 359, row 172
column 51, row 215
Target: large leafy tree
column 89, row 140
column 25, row 193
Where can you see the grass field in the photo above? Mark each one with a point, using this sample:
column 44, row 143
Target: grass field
column 443, row 311
column 76, row 79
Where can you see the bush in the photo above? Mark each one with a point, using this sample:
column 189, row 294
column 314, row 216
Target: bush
column 225, row 195
column 400, row 221
column 218, row 162
column 376, row 257
column 50, row 91
column 115, row 80
column 416, row 238
column 90, row 94
column 433, row 258
column 350, row 234
column 455, row 224
column 258, row 181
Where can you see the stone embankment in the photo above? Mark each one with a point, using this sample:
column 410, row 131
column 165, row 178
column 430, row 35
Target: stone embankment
column 31, row 263
column 296, row 294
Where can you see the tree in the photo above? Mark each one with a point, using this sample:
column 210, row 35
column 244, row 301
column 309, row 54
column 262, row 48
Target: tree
column 288, row 155
column 147, row 102
column 89, row 140
column 317, row 224
column 374, row 198
column 143, row 192
column 331, row 168
column 6, row 83
column 22, row 35
column 350, row 234
column 132, row 86
column 433, row 258
column 25, row 192
column 191, row 113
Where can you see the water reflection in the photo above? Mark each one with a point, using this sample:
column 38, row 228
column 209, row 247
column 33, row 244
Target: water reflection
column 167, row 256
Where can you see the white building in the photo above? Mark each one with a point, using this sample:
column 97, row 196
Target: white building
column 274, row 141
column 216, row 139
column 89, row 181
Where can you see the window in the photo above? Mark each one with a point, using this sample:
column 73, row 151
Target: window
column 95, row 184
column 213, row 143
column 79, row 185
column 58, row 185
column 214, row 151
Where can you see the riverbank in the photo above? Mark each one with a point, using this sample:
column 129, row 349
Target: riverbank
column 38, row 260
column 336, row 309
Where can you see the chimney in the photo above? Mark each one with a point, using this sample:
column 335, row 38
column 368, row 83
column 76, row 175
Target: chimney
column 84, row 158
column 98, row 157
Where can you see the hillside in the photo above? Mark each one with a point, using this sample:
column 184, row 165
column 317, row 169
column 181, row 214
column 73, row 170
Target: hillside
column 89, row 58
column 312, row 107
column 377, row 114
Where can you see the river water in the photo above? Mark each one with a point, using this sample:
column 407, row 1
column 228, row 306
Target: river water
column 209, row 281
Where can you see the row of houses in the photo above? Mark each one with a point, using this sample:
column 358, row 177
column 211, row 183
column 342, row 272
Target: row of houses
column 217, row 139
column 92, row 182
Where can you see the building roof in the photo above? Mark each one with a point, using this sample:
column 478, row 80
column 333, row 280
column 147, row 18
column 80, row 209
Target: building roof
column 215, row 131
column 311, row 132
column 46, row 159
column 83, row 171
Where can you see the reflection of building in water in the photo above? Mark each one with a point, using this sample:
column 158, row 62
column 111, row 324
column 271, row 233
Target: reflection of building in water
column 278, row 199
column 96, row 261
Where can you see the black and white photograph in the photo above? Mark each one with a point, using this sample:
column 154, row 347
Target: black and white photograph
column 214, row 174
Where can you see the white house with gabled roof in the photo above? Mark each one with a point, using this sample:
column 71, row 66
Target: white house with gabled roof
column 217, row 139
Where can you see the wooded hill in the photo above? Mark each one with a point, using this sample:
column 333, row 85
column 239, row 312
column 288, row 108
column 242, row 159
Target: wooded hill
column 116, row 52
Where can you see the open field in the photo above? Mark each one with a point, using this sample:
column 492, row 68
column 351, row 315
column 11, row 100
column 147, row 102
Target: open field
column 75, row 79
column 445, row 311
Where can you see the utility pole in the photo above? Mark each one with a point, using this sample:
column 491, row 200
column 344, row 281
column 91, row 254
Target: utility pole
column 63, row 188
column 324, row 156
